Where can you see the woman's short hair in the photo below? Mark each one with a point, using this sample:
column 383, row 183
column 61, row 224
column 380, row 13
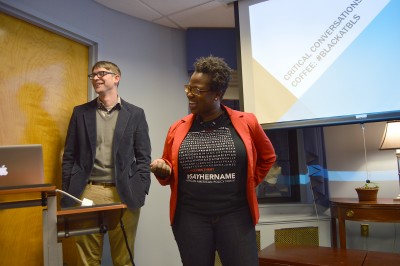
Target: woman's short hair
column 217, row 69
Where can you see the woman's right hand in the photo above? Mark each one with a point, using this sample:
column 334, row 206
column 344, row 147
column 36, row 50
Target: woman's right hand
column 160, row 168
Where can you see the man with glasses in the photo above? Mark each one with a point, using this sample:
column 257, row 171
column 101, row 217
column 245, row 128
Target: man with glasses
column 106, row 159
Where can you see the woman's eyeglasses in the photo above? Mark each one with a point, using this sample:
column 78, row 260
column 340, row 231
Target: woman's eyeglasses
column 193, row 90
column 99, row 74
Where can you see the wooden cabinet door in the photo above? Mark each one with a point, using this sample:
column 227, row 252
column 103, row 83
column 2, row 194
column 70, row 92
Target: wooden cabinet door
column 43, row 75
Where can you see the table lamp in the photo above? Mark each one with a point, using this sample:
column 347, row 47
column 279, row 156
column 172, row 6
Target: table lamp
column 391, row 141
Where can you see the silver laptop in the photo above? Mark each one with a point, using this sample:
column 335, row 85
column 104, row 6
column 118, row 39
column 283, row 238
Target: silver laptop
column 21, row 165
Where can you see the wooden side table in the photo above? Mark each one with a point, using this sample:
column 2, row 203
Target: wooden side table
column 342, row 209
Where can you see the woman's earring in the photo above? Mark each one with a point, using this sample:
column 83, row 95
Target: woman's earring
column 216, row 99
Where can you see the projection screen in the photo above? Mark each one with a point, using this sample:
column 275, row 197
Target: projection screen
column 314, row 62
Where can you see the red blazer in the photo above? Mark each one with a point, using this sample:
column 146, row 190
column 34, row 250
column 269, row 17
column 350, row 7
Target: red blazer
column 260, row 155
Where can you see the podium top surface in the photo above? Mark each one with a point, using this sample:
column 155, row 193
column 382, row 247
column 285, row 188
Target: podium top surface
column 88, row 209
column 27, row 189
column 90, row 216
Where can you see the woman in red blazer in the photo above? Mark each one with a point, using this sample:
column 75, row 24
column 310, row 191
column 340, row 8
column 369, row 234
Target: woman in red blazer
column 213, row 159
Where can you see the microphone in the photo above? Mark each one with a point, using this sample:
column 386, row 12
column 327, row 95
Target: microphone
column 84, row 202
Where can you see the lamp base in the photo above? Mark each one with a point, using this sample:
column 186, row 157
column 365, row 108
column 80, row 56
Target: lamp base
column 397, row 198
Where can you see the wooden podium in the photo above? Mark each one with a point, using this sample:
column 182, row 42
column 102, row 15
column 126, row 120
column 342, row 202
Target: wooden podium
column 63, row 223
column 88, row 219
column 37, row 195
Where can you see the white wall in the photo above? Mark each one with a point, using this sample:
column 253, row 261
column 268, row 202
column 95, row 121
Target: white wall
column 152, row 61
column 346, row 163
column 347, row 169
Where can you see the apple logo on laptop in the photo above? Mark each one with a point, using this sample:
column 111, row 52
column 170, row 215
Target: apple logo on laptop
column 3, row 170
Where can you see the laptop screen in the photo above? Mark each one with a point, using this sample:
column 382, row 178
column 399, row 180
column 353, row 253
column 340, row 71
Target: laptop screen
column 21, row 165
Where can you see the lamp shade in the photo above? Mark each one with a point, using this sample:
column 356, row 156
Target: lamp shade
column 391, row 137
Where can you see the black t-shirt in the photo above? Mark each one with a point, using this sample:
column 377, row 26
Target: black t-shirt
column 212, row 168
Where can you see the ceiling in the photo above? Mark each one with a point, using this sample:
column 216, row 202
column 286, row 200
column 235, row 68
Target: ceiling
column 180, row 14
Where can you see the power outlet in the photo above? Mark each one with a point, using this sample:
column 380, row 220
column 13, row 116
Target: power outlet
column 364, row 230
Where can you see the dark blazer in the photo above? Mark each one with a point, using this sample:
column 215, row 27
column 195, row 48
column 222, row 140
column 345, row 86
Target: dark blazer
column 131, row 151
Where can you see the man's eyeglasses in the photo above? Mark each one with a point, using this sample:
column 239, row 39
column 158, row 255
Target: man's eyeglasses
column 99, row 74
column 193, row 90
